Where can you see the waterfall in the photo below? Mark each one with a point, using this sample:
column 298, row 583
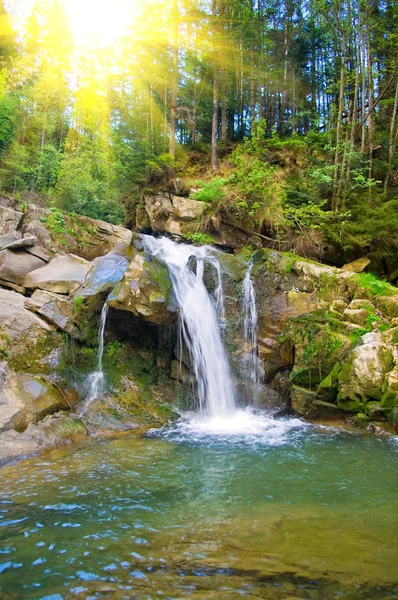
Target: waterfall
column 199, row 321
column 250, row 330
column 96, row 379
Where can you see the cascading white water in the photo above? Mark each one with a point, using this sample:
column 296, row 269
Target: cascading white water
column 199, row 323
column 96, row 379
column 250, row 330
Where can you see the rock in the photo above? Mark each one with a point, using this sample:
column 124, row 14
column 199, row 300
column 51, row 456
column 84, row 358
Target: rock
column 25, row 339
column 357, row 266
column 55, row 309
column 302, row 400
column 105, row 273
column 40, row 252
column 176, row 215
column 361, row 376
column 339, row 305
column 25, row 399
column 9, row 220
column 361, row 420
column 8, row 238
column 357, row 316
column 54, row 430
column 77, row 234
column 146, row 291
column 390, row 305
column 187, row 209
column 374, row 411
column 25, row 242
column 12, row 286
column 42, row 234
column 62, row 275
column 88, row 300
column 16, row 264
column 158, row 208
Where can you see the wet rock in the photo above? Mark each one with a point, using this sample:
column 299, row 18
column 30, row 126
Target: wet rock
column 146, row 291
column 54, row 430
column 374, row 411
column 62, row 275
column 16, row 264
column 9, row 219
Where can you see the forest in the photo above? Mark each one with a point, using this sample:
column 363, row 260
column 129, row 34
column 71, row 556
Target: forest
column 281, row 116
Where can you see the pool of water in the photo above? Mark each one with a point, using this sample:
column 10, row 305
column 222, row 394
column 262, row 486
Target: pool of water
column 297, row 512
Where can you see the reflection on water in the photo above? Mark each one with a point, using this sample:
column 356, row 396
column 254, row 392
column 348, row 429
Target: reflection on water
column 313, row 517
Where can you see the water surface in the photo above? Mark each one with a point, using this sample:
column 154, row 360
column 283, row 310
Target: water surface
column 310, row 513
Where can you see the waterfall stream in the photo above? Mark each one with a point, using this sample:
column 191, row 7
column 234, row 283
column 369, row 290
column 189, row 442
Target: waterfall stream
column 200, row 319
column 96, row 379
column 250, row 331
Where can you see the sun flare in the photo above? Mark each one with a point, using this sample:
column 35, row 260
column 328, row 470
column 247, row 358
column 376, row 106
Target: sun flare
column 100, row 21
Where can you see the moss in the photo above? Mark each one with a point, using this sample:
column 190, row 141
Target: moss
column 361, row 420
column 389, row 400
column 353, row 406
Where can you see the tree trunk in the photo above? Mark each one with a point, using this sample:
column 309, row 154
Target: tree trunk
column 174, row 83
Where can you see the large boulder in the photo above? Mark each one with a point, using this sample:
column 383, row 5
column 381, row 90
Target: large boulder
column 362, row 374
column 88, row 300
column 146, row 291
column 16, row 264
column 9, row 219
column 173, row 214
column 26, row 341
column 26, row 398
column 53, row 430
column 62, row 275
column 77, row 234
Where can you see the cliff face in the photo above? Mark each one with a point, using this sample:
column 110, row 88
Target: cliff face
column 327, row 338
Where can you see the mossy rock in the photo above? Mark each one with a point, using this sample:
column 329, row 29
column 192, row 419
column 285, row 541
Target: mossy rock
column 361, row 420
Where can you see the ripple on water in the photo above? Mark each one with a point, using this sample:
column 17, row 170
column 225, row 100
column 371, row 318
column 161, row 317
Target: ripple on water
column 252, row 507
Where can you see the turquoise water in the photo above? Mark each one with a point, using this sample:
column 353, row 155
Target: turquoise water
column 301, row 513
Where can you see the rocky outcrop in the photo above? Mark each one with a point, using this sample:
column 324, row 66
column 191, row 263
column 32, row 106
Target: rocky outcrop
column 9, row 219
column 172, row 214
column 26, row 341
column 62, row 275
column 58, row 231
column 146, row 291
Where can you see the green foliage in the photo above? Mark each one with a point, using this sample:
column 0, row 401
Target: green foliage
column 113, row 348
column 201, row 239
column 211, row 192
column 376, row 286
column 55, row 221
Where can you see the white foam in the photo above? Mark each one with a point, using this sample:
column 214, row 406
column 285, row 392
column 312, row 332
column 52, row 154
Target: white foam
column 243, row 425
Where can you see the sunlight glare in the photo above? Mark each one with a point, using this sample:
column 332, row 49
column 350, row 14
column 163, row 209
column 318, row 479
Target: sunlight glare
column 100, row 21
